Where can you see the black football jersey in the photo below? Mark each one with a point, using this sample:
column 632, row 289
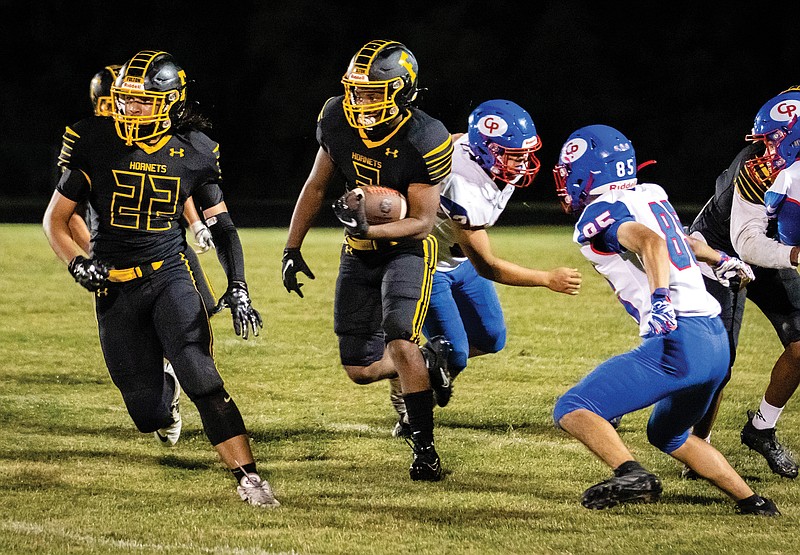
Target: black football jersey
column 418, row 150
column 137, row 192
column 714, row 220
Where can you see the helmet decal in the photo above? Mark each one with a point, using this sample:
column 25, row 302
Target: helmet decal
column 492, row 125
column 785, row 110
column 573, row 149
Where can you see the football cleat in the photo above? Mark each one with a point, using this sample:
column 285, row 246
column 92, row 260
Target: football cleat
column 634, row 486
column 615, row 421
column 426, row 465
column 169, row 436
column 765, row 443
column 436, row 352
column 757, row 505
column 689, row 474
column 257, row 491
column 402, row 428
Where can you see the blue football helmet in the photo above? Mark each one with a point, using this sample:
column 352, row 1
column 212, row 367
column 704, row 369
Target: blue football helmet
column 503, row 139
column 594, row 160
column 775, row 127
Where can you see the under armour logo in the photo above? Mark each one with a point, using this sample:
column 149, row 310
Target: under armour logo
column 390, row 152
column 102, row 292
column 178, row 153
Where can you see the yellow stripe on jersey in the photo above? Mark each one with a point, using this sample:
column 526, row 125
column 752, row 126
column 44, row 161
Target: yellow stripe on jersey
column 440, row 160
column 430, row 248
column 68, row 140
column 751, row 190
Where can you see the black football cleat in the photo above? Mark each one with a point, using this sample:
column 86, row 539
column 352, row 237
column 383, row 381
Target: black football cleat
column 689, row 474
column 757, row 505
column 426, row 465
column 634, row 486
column 765, row 443
column 436, row 353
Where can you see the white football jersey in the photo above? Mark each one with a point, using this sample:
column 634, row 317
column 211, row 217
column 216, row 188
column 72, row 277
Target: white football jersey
column 647, row 204
column 782, row 201
column 469, row 199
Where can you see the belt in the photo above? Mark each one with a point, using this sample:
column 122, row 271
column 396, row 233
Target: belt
column 368, row 244
column 129, row 274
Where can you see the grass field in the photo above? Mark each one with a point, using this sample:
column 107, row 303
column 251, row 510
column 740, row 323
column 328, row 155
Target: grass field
column 76, row 477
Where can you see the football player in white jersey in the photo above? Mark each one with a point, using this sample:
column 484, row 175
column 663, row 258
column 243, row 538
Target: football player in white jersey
column 631, row 234
column 494, row 158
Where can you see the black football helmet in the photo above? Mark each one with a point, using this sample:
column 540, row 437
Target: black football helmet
column 150, row 77
column 379, row 84
column 100, row 90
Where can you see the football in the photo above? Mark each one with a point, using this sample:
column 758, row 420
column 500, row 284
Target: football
column 381, row 204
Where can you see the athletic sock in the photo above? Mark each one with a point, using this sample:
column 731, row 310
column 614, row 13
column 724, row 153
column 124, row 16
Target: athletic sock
column 419, row 408
column 240, row 471
column 767, row 416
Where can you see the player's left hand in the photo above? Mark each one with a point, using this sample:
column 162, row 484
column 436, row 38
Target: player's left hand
column 245, row 317
column 353, row 218
column 202, row 238
column 662, row 314
column 565, row 280
column 731, row 268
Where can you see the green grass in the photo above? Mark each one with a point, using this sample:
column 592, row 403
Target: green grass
column 76, row 477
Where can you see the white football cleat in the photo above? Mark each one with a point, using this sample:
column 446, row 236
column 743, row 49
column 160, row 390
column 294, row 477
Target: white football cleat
column 169, row 436
column 257, row 491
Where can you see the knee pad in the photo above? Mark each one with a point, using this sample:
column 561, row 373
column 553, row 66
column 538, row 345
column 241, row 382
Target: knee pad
column 220, row 415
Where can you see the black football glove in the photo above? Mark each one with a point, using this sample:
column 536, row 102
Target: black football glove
column 90, row 273
column 291, row 264
column 354, row 218
column 245, row 317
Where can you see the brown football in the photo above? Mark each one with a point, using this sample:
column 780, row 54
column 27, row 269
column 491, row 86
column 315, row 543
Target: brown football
column 382, row 204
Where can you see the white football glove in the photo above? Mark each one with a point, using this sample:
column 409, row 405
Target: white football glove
column 202, row 237
column 730, row 267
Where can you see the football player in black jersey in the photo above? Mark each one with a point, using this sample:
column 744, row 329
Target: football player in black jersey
column 137, row 170
column 373, row 135
column 734, row 221
column 84, row 219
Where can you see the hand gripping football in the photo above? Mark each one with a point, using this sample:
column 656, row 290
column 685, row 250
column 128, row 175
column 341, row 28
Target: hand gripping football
column 381, row 204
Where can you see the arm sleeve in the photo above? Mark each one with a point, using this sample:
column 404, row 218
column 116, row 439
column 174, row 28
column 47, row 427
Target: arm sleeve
column 229, row 246
column 749, row 236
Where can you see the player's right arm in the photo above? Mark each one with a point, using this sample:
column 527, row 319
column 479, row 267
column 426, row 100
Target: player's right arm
column 651, row 248
column 476, row 245
column 311, row 199
column 57, row 229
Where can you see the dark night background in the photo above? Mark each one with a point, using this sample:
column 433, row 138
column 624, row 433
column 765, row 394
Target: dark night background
column 683, row 83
